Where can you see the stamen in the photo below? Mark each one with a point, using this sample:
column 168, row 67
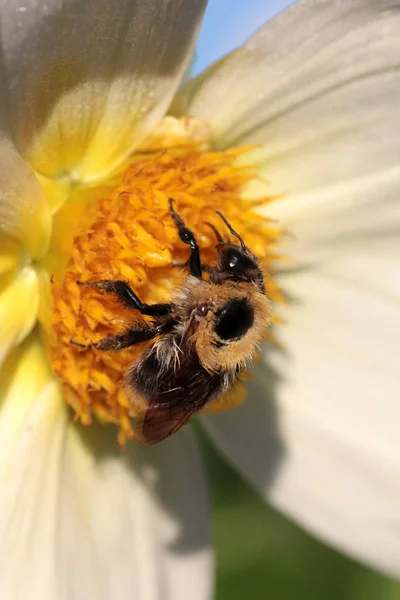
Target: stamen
column 134, row 239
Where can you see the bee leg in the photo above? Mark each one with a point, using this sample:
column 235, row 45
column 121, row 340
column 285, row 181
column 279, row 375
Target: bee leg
column 128, row 297
column 131, row 337
column 187, row 237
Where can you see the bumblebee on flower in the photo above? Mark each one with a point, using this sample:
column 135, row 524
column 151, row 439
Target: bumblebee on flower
column 289, row 133
column 205, row 335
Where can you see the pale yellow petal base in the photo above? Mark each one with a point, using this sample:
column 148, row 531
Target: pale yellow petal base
column 19, row 302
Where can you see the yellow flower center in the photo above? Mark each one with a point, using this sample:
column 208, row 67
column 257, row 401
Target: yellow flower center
column 132, row 237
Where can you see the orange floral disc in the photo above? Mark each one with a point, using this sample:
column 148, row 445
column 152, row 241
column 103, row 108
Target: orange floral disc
column 132, row 237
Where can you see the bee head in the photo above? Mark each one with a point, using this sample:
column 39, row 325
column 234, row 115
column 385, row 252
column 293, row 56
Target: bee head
column 235, row 262
column 225, row 316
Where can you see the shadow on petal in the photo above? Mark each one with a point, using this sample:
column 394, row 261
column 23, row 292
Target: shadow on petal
column 173, row 475
column 249, row 436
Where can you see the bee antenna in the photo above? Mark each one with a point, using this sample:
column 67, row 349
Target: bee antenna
column 233, row 232
column 217, row 233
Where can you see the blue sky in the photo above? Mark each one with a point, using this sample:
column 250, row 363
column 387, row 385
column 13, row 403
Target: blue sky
column 228, row 23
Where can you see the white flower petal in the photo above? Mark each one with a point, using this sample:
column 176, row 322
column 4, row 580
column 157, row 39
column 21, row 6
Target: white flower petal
column 148, row 509
column 319, row 86
column 319, row 433
column 24, row 214
column 80, row 519
column 31, row 423
column 341, row 220
column 83, row 82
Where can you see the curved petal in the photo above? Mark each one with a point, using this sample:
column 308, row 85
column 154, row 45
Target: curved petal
column 319, row 433
column 319, row 86
column 24, row 214
column 19, row 304
column 83, row 82
column 81, row 519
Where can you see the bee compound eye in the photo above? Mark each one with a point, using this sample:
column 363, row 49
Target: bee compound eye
column 236, row 261
column 232, row 259
column 234, row 319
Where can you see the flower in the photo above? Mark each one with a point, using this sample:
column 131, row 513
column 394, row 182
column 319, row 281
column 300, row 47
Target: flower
column 84, row 89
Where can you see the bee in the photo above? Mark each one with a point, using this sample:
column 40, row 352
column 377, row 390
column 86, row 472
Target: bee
column 202, row 339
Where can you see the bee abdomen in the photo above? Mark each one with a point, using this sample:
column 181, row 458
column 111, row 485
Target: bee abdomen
column 188, row 383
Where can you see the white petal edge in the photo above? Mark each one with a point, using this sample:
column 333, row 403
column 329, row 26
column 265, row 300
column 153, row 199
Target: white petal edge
column 319, row 86
column 239, row 24
column 24, row 214
column 82, row 84
column 80, row 520
column 318, row 435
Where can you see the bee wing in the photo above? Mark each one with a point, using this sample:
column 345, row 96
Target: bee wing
column 162, row 420
column 172, row 395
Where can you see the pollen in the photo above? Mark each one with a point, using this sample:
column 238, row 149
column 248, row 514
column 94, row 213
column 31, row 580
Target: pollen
column 132, row 237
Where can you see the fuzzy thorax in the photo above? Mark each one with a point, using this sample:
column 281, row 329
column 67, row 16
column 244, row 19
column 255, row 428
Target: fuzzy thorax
column 214, row 352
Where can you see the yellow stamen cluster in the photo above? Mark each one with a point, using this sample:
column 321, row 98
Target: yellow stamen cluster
column 133, row 238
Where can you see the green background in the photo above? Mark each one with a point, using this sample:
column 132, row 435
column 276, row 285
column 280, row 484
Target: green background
column 261, row 555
